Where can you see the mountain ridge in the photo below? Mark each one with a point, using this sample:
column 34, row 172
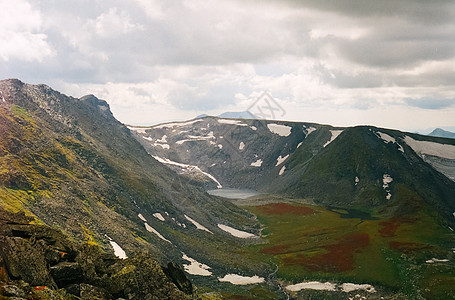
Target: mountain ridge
column 335, row 203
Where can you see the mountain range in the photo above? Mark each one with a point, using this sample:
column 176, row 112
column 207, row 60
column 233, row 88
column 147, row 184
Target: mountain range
column 92, row 208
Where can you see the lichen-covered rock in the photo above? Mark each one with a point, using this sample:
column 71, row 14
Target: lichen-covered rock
column 26, row 260
column 38, row 262
column 140, row 277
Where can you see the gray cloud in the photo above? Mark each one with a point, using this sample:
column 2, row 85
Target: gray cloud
column 429, row 103
column 201, row 54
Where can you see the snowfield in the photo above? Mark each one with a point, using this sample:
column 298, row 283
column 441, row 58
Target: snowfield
column 198, row 226
column 435, row 260
column 349, row 287
column 241, row 280
column 328, row 286
column 142, row 217
column 176, row 124
column 281, row 130
column 431, row 148
column 195, row 267
column 312, row 285
column 235, row 232
column 309, row 130
column 257, row 163
column 137, row 129
column 118, row 251
column 159, row 216
column 386, row 179
column 282, row 170
column 280, row 160
column 387, row 139
column 152, row 230
column 231, row 122
column 335, row 134
column 187, row 168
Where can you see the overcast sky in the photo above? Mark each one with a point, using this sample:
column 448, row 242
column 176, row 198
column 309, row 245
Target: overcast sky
column 389, row 63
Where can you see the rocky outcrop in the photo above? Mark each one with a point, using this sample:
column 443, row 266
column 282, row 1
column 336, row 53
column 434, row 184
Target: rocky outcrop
column 39, row 262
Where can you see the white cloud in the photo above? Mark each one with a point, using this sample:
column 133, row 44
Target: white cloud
column 20, row 32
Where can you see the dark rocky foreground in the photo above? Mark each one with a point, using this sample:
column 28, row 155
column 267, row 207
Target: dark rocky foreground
column 39, row 262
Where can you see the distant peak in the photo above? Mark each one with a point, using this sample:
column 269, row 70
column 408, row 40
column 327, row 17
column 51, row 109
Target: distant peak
column 439, row 132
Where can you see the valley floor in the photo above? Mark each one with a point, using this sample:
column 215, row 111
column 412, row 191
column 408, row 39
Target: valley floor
column 319, row 253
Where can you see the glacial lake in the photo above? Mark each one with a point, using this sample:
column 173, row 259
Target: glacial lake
column 233, row 193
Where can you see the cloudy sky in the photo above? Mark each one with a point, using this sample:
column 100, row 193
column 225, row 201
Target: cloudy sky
column 389, row 63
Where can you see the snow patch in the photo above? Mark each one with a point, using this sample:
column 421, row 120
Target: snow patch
column 163, row 139
column 195, row 267
column 312, row 285
column 138, row 129
column 198, row 226
column 164, row 146
column 387, row 139
column 431, row 148
column 386, row 179
column 235, row 232
column 309, row 130
column 253, row 128
column 142, row 217
column 241, row 146
column 176, row 124
column 335, row 134
column 257, row 163
column 241, row 280
column 231, row 122
column 159, row 216
column 280, row 160
column 349, row 287
column 118, row 251
column 357, row 180
column 152, row 230
column 328, row 286
column 300, row 144
column 282, row 170
column 187, row 168
column 220, row 146
column 191, row 140
column 435, row 260
column 281, row 130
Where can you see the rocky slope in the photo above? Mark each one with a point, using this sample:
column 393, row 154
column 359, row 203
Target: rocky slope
column 69, row 164
column 39, row 262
